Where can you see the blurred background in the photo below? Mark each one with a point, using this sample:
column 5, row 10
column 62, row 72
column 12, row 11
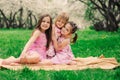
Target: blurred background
column 24, row 10
column 96, row 14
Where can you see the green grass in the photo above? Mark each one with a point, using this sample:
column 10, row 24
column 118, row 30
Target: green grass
column 89, row 43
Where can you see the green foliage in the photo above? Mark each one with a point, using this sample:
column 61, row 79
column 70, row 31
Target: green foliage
column 89, row 43
column 89, row 12
column 103, row 14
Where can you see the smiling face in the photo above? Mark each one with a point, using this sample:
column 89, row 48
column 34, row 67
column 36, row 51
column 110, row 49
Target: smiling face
column 60, row 23
column 45, row 24
column 66, row 30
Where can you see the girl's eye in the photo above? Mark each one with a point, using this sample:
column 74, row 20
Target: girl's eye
column 67, row 29
column 48, row 22
column 58, row 20
column 63, row 22
column 43, row 21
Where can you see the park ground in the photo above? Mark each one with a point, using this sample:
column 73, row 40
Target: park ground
column 89, row 43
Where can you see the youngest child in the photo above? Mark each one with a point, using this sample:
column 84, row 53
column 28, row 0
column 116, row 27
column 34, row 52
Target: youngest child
column 60, row 22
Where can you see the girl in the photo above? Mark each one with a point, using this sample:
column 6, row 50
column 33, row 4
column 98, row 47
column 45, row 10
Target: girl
column 64, row 54
column 60, row 22
column 35, row 49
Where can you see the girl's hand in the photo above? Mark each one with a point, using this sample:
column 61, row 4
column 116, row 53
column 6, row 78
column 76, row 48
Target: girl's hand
column 53, row 38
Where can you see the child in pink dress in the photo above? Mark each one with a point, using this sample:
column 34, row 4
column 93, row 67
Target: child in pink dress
column 38, row 46
column 64, row 53
column 35, row 49
column 60, row 22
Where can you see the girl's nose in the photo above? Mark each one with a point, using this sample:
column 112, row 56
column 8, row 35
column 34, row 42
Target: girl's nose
column 60, row 22
column 45, row 23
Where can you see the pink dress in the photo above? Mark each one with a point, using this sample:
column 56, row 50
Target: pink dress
column 57, row 32
column 63, row 56
column 51, row 51
column 39, row 46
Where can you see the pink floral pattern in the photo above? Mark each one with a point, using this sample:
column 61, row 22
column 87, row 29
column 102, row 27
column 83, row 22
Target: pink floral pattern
column 51, row 51
column 57, row 32
column 63, row 56
column 40, row 46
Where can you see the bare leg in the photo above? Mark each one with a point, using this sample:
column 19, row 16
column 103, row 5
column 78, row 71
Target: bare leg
column 46, row 62
column 33, row 59
column 30, row 58
column 23, row 59
column 10, row 60
column 72, row 63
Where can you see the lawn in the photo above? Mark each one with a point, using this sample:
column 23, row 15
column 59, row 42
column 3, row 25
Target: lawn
column 89, row 43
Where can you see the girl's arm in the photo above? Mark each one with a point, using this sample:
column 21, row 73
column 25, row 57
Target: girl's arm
column 31, row 40
column 53, row 30
column 60, row 45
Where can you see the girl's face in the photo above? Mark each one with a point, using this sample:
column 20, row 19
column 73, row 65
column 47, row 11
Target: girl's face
column 45, row 24
column 66, row 30
column 60, row 23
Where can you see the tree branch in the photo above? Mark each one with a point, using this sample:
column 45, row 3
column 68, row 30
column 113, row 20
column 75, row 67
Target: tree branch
column 96, row 5
column 83, row 1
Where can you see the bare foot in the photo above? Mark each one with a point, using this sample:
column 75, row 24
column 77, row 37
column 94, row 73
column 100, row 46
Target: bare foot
column 101, row 56
column 8, row 60
column 46, row 62
column 15, row 64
